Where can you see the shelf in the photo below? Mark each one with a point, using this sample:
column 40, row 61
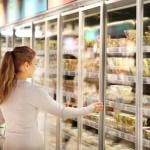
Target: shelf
column 121, row 106
column 40, row 52
column 51, row 35
column 120, row 134
column 146, row 80
column 147, row 49
column 125, row 79
column 92, row 75
column 92, row 97
column 87, row 28
column 120, row 100
column 70, row 34
column 39, row 37
column 52, row 52
column 52, row 72
column 146, row 143
column 70, row 73
column 123, row 51
column 90, row 123
column 121, row 79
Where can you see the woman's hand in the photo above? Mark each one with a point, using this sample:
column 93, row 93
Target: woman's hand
column 98, row 107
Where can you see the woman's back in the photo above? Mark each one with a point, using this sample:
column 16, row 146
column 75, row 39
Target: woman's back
column 21, row 118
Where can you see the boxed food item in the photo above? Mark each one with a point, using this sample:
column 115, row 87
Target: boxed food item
column 70, row 64
column 91, row 64
column 52, row 44
column 110, row 122
column 147, row 38
column 121, row 65
column 146, row 132
column 89, row 89
column 125, row 122
column 146, row 62
column 94, row 117
column 69, row 85
column 120, row 93
column 130, row 34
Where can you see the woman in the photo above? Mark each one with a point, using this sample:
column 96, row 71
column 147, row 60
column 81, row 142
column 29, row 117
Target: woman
column 20, row 101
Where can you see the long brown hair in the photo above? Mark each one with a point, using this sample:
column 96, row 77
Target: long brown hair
column 11, row 66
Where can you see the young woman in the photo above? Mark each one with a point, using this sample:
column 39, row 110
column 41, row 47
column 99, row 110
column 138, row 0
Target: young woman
column 21, row 100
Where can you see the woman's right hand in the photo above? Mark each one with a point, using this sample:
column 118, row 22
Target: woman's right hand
column 98, row 107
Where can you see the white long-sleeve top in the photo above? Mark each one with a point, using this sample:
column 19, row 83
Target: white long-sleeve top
column 20, row 112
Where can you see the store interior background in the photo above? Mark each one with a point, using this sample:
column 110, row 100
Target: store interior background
column 87, row 50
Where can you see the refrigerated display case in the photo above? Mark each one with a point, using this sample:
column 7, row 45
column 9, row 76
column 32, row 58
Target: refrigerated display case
column 6, row 40
column 39, row 47
column 120, row 120
column 70, row 27
column 77, row 39
column 90, row 75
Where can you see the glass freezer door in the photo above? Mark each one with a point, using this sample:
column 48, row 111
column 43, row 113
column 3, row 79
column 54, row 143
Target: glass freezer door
column 146, row 76
column 23, row 36
column 120, row 77
column 69, row 131
column 6, row 40
column 18, row 37
column 90, row 76
column 39, row 47
column 51, row 79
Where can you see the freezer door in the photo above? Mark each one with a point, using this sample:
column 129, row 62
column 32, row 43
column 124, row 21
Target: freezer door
column 120, row 91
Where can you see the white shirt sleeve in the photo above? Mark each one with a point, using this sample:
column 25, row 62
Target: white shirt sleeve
column 1, row 118
column 44, row 101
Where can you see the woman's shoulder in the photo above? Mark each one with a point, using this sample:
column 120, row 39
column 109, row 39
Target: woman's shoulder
column 36, row 87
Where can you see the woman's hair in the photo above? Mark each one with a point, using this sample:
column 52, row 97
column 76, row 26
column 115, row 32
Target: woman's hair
column 11, row 66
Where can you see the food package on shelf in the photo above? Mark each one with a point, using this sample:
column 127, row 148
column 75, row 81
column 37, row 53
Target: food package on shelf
column 110, row 122
column 89, row 89
column 90, row 138
column 121, row 42
column 146, row 101
column 119, row 145
column 91, row 65
column 68, row 29
column 146, row 66
column 39, row 45
column 130, row 34
column 52, row 44
column 121, row 65
column 147, row 38
column 52, row 61
column 146, row 132
column 70, row 64
column 52, row 28
column 93, row 117
column 125, row 122
column 52, row 65
column 69, row 85
column 120, row 93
